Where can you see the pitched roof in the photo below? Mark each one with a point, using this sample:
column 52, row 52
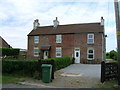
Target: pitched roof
column 70, row 28
column 3, row 43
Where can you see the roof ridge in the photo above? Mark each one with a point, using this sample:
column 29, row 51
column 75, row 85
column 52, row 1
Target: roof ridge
column 71, row 24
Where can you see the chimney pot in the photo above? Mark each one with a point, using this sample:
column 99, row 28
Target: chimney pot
column 102, row 21
column 55, row 22
column 36, row 24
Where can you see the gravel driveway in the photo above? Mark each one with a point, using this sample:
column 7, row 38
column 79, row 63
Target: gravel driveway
column 86, row 70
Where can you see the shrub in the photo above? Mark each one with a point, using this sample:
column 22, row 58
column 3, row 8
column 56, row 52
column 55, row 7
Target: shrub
column 21, row 67
column 31, row 67
column 61, row 62
column 10, row 52
column 113, row 55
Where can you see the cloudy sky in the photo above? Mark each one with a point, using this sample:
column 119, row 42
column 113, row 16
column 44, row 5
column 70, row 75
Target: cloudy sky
column 16, row 17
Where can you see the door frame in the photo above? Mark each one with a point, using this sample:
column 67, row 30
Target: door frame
column 77, row 50
column 44, row 53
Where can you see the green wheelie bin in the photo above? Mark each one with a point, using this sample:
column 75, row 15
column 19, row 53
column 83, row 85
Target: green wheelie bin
column 46, row 73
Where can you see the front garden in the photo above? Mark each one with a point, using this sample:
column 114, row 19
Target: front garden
column 31, row 67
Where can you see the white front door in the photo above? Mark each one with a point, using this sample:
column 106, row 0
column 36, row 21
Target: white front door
column 45, row 55
column 77, row 55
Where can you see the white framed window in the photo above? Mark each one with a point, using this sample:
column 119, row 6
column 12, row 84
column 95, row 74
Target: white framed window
column 90, row 38
column 36, row 39
column 58, row 38
column 36, row 51
column 58, row 52
column 90, row 54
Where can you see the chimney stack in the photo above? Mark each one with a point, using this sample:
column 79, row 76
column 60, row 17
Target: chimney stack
column 102, row 21
column 36, row 24
column 56, row 23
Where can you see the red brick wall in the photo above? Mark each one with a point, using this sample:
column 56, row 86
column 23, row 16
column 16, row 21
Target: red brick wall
column 69, row 43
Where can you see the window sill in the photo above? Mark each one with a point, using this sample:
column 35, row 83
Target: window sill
column 90, row 43
column 90, row 59
column 36, row 56
column 58, row 56
column 58, row 43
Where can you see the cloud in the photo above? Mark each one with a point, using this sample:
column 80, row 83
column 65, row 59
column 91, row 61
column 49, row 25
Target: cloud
column 17, row 16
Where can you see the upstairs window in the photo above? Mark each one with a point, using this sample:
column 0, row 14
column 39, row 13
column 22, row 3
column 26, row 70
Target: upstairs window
column 58, row 38
column 90, row 54
column 36, row 39
column 58, row 52
column 90, row 38
column 36, row 51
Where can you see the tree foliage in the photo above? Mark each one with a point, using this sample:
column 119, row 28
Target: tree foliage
column 10, row 52
column 113, row 54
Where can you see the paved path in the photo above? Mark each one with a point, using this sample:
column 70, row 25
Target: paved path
column 86, row 70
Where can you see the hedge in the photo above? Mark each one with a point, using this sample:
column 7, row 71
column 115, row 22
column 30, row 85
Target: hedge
column 21, row 67
column 10, row 51
column 30, row 67
column 61, row 62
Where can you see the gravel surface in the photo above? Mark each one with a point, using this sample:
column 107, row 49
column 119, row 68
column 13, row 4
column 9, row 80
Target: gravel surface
column 86, row 70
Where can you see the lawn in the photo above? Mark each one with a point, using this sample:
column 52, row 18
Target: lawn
column 10, row 78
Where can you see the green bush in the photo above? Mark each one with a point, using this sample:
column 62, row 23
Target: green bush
column 113, row 55
column 21, row 67
column 10, row 51
column 61, row 62
column 31, row 67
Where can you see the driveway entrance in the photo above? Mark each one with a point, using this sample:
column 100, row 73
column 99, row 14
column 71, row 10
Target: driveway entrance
column 85, row 70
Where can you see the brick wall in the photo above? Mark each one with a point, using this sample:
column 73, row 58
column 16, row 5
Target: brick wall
column 69, row 43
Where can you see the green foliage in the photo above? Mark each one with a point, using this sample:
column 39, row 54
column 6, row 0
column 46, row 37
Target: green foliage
column 21, row 67
column 113, row 55
column 30, row 67
column 61, row 62
column 10, row 52
column 107, row 54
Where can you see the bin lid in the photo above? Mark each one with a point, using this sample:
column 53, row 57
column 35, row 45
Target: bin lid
column 46, row 65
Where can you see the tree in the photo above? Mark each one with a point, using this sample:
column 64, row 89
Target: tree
column 107, row 54
column 113, row 54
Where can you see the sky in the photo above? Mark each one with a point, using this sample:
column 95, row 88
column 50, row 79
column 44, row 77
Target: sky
column 17, row 16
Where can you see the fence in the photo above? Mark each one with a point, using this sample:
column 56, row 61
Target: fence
column 46, row 62
column 108, row 71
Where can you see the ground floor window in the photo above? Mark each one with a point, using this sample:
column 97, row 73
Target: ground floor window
column 90, row 55
column 36, row 51
column 58, row 52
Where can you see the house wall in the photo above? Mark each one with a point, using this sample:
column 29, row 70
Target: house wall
column 69, row 43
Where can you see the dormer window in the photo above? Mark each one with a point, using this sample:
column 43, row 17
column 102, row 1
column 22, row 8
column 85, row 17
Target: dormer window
column 58, row 38
column 36, row 39
column 90, row 38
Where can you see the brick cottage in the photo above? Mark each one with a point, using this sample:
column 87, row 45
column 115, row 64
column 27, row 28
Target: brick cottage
column 85, row 42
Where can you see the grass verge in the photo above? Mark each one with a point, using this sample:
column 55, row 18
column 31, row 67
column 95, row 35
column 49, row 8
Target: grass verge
column 10, row 78
column 108, row 84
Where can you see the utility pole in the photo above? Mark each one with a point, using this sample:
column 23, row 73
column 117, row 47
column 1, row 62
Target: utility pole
column 117, row 14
